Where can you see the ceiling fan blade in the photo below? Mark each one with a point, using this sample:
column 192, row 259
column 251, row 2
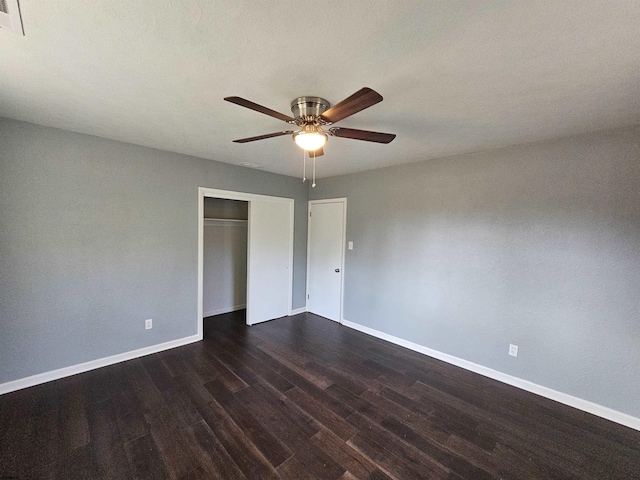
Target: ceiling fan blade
column 360, row 100
column 259, row 108
column 365, row 135
column 262, row 137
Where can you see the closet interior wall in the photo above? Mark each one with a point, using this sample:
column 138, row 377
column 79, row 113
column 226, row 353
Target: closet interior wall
column 225, row 256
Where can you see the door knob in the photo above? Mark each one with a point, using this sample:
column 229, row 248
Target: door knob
column 337, row 270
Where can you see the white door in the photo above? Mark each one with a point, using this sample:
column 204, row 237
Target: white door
column 326, row 245
column 269, row 260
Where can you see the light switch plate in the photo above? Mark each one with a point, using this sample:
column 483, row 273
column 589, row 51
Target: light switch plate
column 350, row 246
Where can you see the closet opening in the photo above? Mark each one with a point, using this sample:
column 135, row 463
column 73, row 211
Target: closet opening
column 224, row 278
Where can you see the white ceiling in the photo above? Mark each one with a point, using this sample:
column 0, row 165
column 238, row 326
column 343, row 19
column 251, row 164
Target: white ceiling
column 458, row 76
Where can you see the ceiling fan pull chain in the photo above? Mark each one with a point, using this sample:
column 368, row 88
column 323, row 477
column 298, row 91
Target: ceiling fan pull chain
column 304, row 166
column 313, row 184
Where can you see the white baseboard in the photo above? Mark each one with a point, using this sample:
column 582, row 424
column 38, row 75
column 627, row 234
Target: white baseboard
column 579, row 403
column 93, row 364
column 220, row 311
column 297, row 311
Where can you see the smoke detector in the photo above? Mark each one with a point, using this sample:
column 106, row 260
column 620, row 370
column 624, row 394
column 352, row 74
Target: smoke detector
column 10, row 18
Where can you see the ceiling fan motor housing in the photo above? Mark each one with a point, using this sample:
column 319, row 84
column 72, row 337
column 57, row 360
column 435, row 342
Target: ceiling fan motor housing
column 306, row 108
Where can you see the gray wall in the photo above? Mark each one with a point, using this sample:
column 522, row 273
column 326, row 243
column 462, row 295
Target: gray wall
column 537, row 245
column 96, row 236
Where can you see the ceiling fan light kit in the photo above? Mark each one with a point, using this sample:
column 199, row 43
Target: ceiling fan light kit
column 310, row 137
column 311, row 114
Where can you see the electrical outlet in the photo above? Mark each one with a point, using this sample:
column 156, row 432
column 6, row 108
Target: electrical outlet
column 513, row 350
column 148, row 324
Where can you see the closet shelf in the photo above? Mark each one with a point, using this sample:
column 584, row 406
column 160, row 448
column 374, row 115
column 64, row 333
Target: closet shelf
column 224, row 221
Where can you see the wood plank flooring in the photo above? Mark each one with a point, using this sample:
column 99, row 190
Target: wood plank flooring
column 297, row 398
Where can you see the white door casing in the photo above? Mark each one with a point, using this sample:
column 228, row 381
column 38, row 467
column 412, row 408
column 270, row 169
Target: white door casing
column 325, row 257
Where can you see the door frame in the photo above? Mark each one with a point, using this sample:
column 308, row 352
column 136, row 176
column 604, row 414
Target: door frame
column 342, row 200
column 246, row 197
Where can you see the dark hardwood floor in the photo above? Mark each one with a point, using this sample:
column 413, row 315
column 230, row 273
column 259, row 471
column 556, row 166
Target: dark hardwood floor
column 300, row 397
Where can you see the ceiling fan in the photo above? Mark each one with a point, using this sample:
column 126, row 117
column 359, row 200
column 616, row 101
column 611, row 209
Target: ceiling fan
column 312, row 116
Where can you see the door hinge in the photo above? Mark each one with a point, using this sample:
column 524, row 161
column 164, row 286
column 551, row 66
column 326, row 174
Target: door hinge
column 307, row 296
column 309, row 214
